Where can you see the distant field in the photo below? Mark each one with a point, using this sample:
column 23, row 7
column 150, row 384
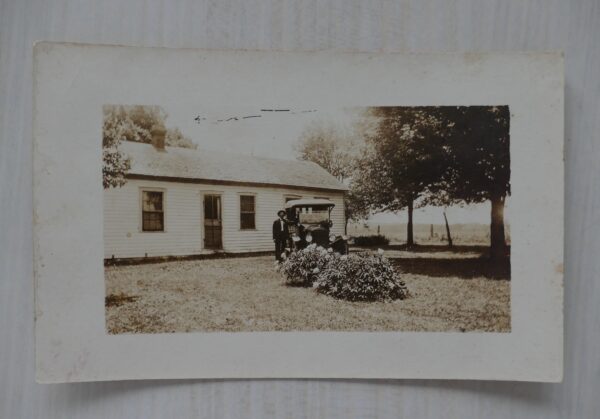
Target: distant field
column 466, row 234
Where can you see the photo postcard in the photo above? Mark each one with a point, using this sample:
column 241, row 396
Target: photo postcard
column 255, row 214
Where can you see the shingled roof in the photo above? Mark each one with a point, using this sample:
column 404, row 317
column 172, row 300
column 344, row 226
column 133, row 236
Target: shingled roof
column 196, row 166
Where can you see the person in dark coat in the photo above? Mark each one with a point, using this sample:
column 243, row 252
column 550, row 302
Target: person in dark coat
column 281, row 234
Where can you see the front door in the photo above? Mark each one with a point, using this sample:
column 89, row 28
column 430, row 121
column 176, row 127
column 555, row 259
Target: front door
column 213, row 226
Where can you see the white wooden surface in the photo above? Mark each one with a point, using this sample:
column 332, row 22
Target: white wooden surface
column 184, row 228
column 419, row 25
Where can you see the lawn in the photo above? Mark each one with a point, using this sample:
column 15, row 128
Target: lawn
column 454, row 293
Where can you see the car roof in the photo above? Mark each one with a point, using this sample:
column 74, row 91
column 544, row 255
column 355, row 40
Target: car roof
column 309, row 203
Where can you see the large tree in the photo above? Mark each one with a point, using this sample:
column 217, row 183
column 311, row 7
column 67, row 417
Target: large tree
column 407, row 156
column 439, row 155
column 478, row 141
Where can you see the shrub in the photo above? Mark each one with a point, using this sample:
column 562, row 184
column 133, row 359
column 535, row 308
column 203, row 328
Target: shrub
column 373, row 240
column 355, row 277
column 361, row 277
column 303, row 267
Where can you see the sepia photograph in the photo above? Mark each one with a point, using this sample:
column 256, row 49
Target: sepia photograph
column 260, row 214
column 389, row 218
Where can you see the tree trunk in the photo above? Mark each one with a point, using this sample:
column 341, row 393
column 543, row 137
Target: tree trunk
column 497, row 238
column 409, row 226
column 448, row 230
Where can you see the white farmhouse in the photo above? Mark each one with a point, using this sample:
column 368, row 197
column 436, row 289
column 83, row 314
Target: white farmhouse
column 183, row 202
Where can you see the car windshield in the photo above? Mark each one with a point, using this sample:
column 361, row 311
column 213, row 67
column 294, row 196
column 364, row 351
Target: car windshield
column 312, row 215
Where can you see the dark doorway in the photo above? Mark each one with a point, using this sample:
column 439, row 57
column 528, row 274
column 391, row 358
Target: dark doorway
column 213, row 225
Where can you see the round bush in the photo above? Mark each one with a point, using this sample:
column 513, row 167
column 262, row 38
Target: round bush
column 354, row 277
column 303, row 266
column 361, row 277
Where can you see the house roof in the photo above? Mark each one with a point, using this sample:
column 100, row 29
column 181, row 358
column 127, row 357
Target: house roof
column 197, row 166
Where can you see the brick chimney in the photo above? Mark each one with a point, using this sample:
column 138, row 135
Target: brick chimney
column 158, row 137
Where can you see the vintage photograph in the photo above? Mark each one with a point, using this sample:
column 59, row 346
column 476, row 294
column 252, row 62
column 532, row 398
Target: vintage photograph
column 267, row 214
column 240, row 219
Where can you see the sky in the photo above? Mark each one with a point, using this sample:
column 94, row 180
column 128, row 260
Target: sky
column 260, row 132
column 272, row 134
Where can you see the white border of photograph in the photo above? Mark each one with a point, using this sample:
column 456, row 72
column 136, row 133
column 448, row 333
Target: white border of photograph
column 72, row 82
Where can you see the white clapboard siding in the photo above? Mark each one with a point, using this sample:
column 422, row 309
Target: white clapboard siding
column 184, row 220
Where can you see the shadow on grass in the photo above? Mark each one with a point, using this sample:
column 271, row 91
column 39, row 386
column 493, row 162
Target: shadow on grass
column 475, row 263
column 116, row 300
column 461, row 267
column 432, row 248
column 465, row 268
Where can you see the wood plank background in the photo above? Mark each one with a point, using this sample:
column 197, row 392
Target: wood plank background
column 378, row 25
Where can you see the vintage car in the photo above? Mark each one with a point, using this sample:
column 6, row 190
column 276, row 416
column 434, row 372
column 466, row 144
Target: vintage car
column 310, row 222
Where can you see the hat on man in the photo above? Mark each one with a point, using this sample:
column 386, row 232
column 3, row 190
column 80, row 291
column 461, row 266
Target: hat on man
column 280, row 212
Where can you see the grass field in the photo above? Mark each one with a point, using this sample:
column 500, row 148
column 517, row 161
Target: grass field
column 462, row 234
column 449, row 291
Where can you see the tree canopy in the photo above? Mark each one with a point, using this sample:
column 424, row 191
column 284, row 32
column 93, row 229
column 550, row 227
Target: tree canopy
column 407, row 155
column 337, row 150
column 479, row 167
column 331, row 147
column 114, row 164
column 438, row 155
column 478, row 144
column 132, row 123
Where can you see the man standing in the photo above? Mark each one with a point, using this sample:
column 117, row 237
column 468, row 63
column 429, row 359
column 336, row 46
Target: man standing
column 281, row 234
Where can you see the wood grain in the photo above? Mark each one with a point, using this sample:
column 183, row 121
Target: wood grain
column 425, row 25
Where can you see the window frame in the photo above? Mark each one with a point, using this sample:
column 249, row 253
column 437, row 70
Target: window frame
column 141, row 211
column 253, row 195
